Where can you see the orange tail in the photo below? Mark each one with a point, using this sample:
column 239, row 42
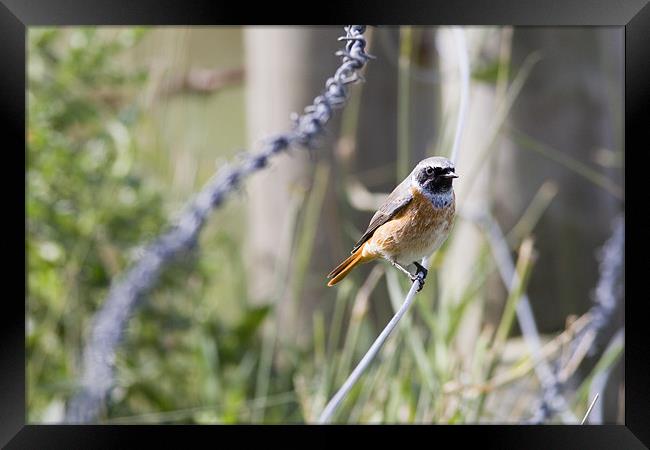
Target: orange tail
column 346, row 266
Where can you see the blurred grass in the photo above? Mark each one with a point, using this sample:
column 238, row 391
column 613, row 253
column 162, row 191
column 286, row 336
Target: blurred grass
column 577, row 167
column 108, row 163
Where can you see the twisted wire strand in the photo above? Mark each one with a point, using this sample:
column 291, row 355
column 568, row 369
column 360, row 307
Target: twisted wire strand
column 98, row 358
column 606, row 303
column 610, row 287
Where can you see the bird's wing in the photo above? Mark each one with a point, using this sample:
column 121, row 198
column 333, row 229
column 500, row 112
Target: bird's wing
column 398, row 199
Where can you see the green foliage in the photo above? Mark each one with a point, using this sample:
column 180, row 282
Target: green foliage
column 487, row 72
column 86, row 205
column 90, row 206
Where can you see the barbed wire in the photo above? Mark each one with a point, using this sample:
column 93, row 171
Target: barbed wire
column 609, row 291
column 98, row 358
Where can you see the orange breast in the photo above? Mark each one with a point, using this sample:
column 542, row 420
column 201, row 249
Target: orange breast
column 414, row 233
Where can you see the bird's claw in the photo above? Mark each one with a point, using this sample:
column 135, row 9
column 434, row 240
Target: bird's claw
column 420, row 270
column 420, row 275
column 420, row 281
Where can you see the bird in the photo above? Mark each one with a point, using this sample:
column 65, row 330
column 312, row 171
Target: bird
column 412, row 223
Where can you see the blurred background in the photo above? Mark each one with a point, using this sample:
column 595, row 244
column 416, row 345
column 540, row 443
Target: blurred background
column 126, row 124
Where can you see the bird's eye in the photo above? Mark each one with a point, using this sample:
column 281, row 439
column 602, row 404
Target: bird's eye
column 428, row 170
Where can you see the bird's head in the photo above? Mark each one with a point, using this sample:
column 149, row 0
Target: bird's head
column 434, row 175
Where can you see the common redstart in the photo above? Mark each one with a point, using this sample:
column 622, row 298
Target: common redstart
column 412, row 223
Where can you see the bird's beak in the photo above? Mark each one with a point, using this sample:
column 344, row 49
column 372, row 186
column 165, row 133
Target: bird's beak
column 449, row 175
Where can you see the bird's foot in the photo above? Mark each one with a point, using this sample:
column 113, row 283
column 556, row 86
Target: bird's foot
column 420, row 275
column 420, row 270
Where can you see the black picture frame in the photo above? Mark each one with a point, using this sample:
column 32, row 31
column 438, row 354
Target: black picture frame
column 633, row 15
